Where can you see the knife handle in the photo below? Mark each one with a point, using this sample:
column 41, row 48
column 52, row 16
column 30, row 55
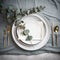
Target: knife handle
column 52, row 29
column 8, row 38
column 4, row 42
column 56, row 36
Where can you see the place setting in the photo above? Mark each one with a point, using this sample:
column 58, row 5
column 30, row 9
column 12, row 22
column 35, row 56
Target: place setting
column 28, row 32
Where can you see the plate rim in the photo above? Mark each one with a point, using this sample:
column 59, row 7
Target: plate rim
column 38, row 21
column 40, row 45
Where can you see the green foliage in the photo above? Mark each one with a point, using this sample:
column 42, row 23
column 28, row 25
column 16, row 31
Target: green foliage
column 29, row 38
column 26, row 32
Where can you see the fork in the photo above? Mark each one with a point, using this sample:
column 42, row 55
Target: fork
column 4, row 37
column 8, row 33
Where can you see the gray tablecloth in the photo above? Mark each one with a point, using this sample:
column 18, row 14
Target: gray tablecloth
column 51, row 13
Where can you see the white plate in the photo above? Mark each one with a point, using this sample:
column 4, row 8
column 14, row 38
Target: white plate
column 35, row 26
column 36, row 46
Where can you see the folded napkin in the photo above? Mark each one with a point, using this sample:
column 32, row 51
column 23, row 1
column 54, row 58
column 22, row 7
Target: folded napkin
column 33, row 25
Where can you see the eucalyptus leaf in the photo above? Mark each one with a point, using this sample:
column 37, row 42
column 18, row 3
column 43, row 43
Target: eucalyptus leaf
column 25, row 32
column 29, row 38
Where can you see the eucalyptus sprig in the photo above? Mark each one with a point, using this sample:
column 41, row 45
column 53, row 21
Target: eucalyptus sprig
column 25, row 31
column 11, row 13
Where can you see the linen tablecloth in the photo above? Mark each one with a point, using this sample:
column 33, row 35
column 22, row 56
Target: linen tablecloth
column 51, row 13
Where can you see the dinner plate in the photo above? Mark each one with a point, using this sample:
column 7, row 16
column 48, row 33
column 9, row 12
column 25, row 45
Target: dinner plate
column 35, row 26
column 45, row 38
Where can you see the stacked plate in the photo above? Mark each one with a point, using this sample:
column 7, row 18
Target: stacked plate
column 38, row 31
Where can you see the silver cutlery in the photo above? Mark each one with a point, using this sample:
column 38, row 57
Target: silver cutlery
column 4, row 38
column 56, row 29
column 52, row 29
column 8, row 33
